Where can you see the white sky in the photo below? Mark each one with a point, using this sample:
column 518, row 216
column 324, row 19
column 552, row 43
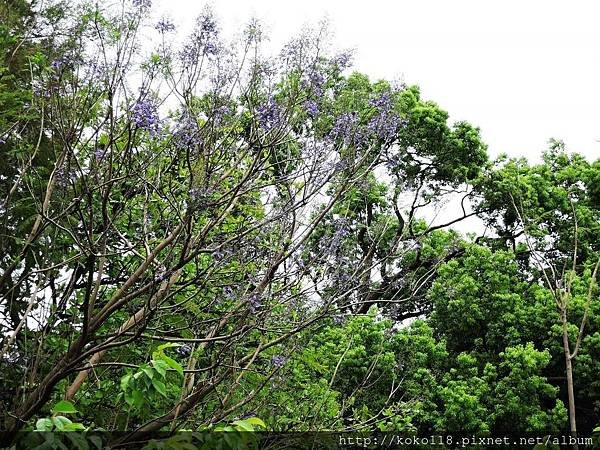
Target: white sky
column 523, row 71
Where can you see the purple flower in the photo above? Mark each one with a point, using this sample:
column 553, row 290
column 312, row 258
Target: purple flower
column 346, row 129
column 203, row 40
column 342, row 60
column 278, row 361
column 189, row 55
column 228, row 292
column 300, row 263
column 384, row 123
column 316, row 80
column 331, row 244
column 56, row 64
column 142, row 3
column 338, row 319
column 99, row 154
column 161, row 274
column 255, row 302
column 340, row 165
column 207, row 24
column 145, row 116
column 253, row 31
column 184, row 350
column 384, row 126
column 219, row 113
column 311, row 108
column 222, row 110
column 382, row 102
column 344, row 125
column 210, row 48
column 269, row 114
column 187, row 133
column 164, row 26
column 268, row 69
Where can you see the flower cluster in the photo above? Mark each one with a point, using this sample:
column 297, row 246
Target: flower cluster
column 312, row 149
column 204, row 40
column 342, row 60
column 219, row 113
column 57, row 64
column 253, row 31
column 189, row 55
column 316, row 81
column 99, row 154
column 183, row 350
column 269, row 114
column 264, row 68
column 165, row 26
column 331, row 244
column 340, row 165
column 187, row 133
column 292, row 53
column 145, row 116
column 344, row 126
column 142, row 3
column 339, row 319
column 341, row 275
column 299, row 263
column 207, row 25
column 161, row 274
column 228, row 292
column 385, row 123
column 278, row 361
column 254, row 302
column 311, row 108
column 347, row 130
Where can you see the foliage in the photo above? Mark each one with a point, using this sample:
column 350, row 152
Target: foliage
column 208, row 238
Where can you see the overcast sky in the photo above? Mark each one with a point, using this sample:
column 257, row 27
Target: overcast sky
column 523, row 71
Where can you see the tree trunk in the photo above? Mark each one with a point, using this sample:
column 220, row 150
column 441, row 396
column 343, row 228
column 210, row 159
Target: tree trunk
column 569, row 369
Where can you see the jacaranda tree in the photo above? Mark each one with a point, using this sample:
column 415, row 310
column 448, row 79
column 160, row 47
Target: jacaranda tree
column 202, row 235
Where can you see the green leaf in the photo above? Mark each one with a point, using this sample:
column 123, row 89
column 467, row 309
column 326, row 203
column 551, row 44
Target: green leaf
column 160, row 387
column 64, row 407
column 125, row 381
column 243, row 425
column 255, row 421
column 160, row 366
column 173, row 364
column 44, row 424
column 60, row 422
column 148, row 371
column 75, row 426
column 135, row 398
